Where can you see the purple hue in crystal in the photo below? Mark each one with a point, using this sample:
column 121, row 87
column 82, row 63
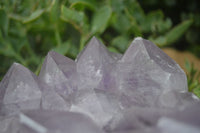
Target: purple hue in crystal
column 19, row 90
column 59, row 72
column 142, row 91
column 146, row 73
column 92, row 63
column 38, row 121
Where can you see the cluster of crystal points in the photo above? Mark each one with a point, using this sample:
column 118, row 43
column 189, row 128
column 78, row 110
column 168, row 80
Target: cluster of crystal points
column 142, row 91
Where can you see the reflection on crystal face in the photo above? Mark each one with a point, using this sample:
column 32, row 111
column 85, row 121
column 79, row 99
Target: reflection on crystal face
column 142, row 91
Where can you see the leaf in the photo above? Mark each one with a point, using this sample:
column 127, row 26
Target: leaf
column 135, row 10
column 70, row 15
column 54, row 11
column 121, row 43
column 100, row 19
column 121, row 23
column 113, row 49
column 151, row 21
column 164, row 25
column 159, row 41
column 196, row 91
column 36, row 14
column 81, row 4
column 8, row 51
column 73, row 51
column 117, row 5
column 93, row 2
column 4, row 21
column 177, row 31
column 63, row 48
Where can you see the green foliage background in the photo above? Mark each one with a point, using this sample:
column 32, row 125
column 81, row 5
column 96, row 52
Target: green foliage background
column 30, row 28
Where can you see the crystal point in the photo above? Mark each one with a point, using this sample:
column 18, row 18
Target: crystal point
column 19, row 89
column 147, row 72
column 59, row 72
column 92, row 62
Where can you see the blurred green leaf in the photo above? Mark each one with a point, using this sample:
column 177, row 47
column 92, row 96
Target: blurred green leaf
column 117, row 5
column 121, row 23
column 54, row 11
column 113, row 49
column 70, row 15
column 164, row 25
column 36, row 14
column 121, row 43
column 93, row 2
column 196, row 91
column 135, row 10
column 3, row 21
column 63, row 48
column 73, row 51
column 81, row 4
column 7, row 50
column 160, row 41
column 177, row 31
column 193, row 77
column 152, row 20
column 100, row 19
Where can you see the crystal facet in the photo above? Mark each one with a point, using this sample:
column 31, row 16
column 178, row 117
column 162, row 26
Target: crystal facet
column 142, row 91
column 19, row 90
column 59, row 72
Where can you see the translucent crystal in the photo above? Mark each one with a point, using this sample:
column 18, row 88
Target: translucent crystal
column 92, row 63
column 38, row 121
column 19, row 90
column 88, row 103
column 142, row 91
column 59, row 72
column 146, row 72
column 185, row 121
column 51, row 100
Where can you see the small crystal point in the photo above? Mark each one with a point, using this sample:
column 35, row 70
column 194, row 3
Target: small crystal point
column 19, row 89
column 94, row 48
column 56, row 65
column 59, row 72
column 92, row 62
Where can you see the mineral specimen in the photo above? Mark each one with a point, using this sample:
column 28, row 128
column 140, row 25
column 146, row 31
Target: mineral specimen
column 142, row 91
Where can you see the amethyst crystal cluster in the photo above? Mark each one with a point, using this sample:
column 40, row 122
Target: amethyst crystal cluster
column 142, row 91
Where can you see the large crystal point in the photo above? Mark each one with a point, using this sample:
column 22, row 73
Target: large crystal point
column 146, row 72
column 92, row 62
column 158, row 65
column 59, row 72
column 19, row 90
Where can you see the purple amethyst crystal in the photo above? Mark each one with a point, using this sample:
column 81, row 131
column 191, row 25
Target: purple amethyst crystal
column 19, row 90
column 142, row 91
